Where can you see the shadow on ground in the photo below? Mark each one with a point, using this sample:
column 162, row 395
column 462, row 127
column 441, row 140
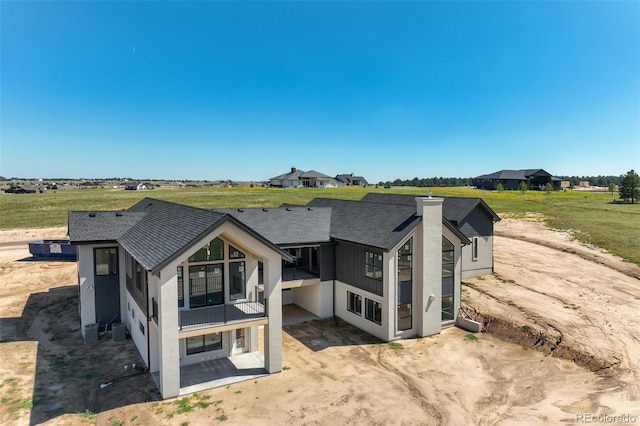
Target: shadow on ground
column 68, row 372
column 324, row 333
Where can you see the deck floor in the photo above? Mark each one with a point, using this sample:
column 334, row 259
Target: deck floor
column 219, row 372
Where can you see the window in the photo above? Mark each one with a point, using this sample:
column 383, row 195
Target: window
column 447, row 280
column 214, row 250
column 354, row 303
column 234, row 253
column 405, row 285
column 180, row 287
column 141, row 326
column 474, row 248
column 238, row 284
column 106, row 261
column 205, row 343
column 373, row 265
column 373, row 311
column 260, row 273
column 206, row 285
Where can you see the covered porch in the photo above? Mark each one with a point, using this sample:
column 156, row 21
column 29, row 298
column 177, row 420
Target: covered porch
column 219, row 372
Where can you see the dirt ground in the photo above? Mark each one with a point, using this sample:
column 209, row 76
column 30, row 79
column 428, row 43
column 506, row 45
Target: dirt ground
column 561, row 341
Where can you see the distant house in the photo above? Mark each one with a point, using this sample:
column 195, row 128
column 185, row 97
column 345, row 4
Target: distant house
column 136, row 186
column 24, row 189
column 351, row 180
column 511, row 179
column 301, row 179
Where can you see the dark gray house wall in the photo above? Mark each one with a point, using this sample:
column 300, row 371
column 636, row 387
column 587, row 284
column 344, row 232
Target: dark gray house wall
column 350, row 267
column 477, row 224
column 326, row 262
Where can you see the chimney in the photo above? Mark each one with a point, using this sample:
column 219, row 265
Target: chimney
column 424, row 203
column 293, row 170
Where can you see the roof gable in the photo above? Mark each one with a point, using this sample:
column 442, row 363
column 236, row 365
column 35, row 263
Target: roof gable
column 373, row 224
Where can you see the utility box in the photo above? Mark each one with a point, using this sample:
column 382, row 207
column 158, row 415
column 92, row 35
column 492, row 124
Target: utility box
column 118, row 332
column 91, row 333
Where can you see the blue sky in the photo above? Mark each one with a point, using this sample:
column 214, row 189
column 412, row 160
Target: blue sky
column 245, row 90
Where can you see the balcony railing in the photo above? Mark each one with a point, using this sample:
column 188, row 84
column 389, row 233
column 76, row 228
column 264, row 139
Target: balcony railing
column 221, row 314
column 298, row 273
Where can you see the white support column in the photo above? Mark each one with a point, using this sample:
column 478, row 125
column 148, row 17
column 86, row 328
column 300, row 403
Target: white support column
column 273, row 300
column 168, row 342
column 429, row 287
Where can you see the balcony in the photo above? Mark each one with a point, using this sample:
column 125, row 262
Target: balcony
column 220, row 314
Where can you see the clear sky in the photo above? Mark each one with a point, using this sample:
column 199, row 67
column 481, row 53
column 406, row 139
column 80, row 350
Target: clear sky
column 245, row 90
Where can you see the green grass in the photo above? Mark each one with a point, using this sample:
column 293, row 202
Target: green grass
column 592, row 215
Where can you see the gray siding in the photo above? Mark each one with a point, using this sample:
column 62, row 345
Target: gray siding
column 350, row 267
column 478, row 223
column 326, row 262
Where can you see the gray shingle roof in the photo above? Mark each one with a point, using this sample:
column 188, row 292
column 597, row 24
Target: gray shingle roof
column 154, row 232
column 522, row 174
column 287, row 225
column 91, row 226
column 295, row 175
column 373, row 224
column 166, row 230
column 453, row 208
column 315, row 174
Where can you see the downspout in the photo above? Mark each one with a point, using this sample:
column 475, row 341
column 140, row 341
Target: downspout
column 146, row 276
column 333, row 307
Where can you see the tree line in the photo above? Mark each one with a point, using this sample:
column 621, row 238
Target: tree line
column 434, row 181
column 593, row 180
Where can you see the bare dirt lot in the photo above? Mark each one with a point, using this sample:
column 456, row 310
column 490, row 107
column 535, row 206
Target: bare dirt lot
column 562, row 340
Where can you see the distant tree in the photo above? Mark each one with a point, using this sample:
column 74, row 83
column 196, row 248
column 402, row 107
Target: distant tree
column 612, row 187
column 630, row 186
column 548, row 188
column 523, row 187
column 571, row 185
column 500, row 187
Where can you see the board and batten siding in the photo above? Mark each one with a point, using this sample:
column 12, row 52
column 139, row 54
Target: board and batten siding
column 326, row 262
column 350, row 269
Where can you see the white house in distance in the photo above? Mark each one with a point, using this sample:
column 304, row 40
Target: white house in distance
column 193, row 285
column 301, row 179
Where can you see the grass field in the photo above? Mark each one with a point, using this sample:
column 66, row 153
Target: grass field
column 613, row 226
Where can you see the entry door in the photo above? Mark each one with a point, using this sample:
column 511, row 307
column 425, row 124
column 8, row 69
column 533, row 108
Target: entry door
column 106, row 286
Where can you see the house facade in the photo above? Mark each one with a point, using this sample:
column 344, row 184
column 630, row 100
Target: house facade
column 193, row 285
column 301, row 179
column 472, row 217
column 511, row 179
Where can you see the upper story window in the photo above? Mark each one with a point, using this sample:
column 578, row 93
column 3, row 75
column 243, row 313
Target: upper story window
column 106, row 260
column 180, row 287
column 214, row 250
column 234, row 253
column 373, row 265
column 447, row 258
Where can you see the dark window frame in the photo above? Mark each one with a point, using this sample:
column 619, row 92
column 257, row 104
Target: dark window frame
column 204, row 347
column 354, row 303
column 112, row 265
column 373, row 311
